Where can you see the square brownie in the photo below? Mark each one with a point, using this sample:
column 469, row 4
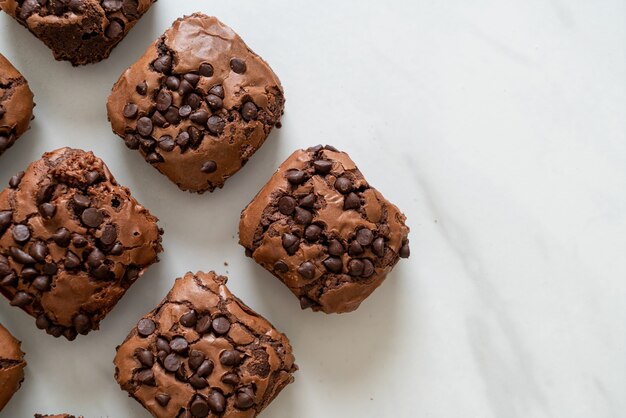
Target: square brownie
column 202, row 352
column 11, row 366
column 78, row 31
column 321, row 229
column 72, row 241
column 198, row 104
column 16, row 104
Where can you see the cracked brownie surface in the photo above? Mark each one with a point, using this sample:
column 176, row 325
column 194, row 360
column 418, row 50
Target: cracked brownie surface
column 16, row 104
column 201, row 352
column 72, row 241
column 321, row 229
column 11, row 366
column 79, row 31
column 198, row 104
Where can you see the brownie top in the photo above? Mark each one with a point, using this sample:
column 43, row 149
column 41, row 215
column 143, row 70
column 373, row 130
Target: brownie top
column 16, row 100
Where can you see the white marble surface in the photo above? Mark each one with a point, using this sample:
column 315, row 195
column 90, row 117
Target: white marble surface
column 498, row 126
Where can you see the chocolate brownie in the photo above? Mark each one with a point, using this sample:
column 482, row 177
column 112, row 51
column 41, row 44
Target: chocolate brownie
column 321, row 229
column 72, row 241
column 203, row 352
column 11, row 366
column 56, row 416
column 78, row 31
column 198, row 104
column 16, row 104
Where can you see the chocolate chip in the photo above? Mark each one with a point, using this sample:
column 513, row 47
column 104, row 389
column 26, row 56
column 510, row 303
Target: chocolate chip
column 291, row 243
column 192, row 78
column 244, row 399
column 405, row 251
column 146, row 327
column 196, row 358
column 42, row 322
column 131, row 141
column 312, row 233
column 115, row 29
column 21, row 234
column 355, row 249
column 29, row 7
column 200, row 408
column 215, row 102
column 172, row 116
column 29, row 273
column 42, row 283
column 198, row 382
column 238, row 65
column 163, row 399
column 204, row 325
column 182, row 140
column 230, row 357
column 281, row 267
column 172, row 83
column 145, row 377
column 163, row 100
column 77, row 6
column 154, row 158
column 92, row 217
column 308, row 201
column 230, row 379
column 217, row 402
column 200, row 117
column 166, row 143
column 296, row 177
column 81, row 201
column 323, row 167
column 333, row 264
column 39, row 251
column 364, row 237
column 249, row 111
column 50, row 269
column 163, row 345
column 220, row 325
column 206, row 70
column 206, row 368
column 209, row 167
column 189, row 319
column 6, row 218
column 163, row 64
column 144, row 126
column 343, row 185
column 131, row 110
column 61, row 237
column 158, row 119
column 78, row 240
column 307, row 270
column 306, row 303
column 216, row 125
column 355, row 268
column 82, row 323
column 21, row 256
column 71, row 261
column 9, row 280
column 21, row 299
column 185, row 88
column 368, row 268
column 287, row 205
column 194, row 101
column 303, row 216
column 92, row 177
column 44, row 194
column 16, row 180
column 335, row 248
column 179, row 345
column 171, row 363
column 95, row 258
column 218, row 91
column 112, row 5
column 109, row 235
column 142, row 88
column 352, row 201
column 47, row 210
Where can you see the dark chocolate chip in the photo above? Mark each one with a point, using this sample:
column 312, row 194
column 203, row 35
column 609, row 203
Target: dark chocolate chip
column 61, row 237
column 131, row 110
column 112, row 5
column 21, row 299
column 6, row 218
column 172, row 115
column 405, row 251
column 218, row 91
column 158, row 119
column 92, row 177
column 296, row 177
column 238, row 65
column 21, row 256
column 206, row 70
column 303, row 216
column 47, row 210
column 204, row 325
column 215, row 102
column 145, row 377
column 220, row 325
column 71, row 261
column 21, row 234
column 287, row 205
column 38, row 251
column 249, row 111
column 209, row 167
column 333, row 264
column 281, row 267
column 179, row 345
column 146, row 327
column 42, row 322
column 343, row 185
column 200, row 117
column 109, row 235
column 142, row 88
column 154, row 158
column 244, row 399
column 368, row 268
column 29, row 274
column 16, row 180
column 189, row 319
column 355, row 249
column 307, row 270
column 185, row 88
column 95, row 258
column 206, row 368
column 217, row 402
column 144, row 126
column 355, row 268
column 131, row 141
column 192, row 78
column 78, row 240
column 70, row 334
column 28, row 8
column 323, row 167
column 163, row 100
column 42, row 283
column 193, row 100
column 200, row 408
column 92, row 217
column 335, row 248
column 352, row 201
column 163, row 64
column 172, row 83
column 50, row 269
column 166, row 143
column 82, row 323
column 163, row 399
column 230, row 379
column 364, row 237
column 9, row 280
column 230, row 357
column 291, row 243
column 308, row 201
column 306, row 303
column 198, row 382
column 81, row 201
column 163, row 345
column 196, row 358
column 115, row 29
column 313, row 233
column 216, row 125
column 171, row 363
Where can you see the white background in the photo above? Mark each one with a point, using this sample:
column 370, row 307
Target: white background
column 497, row 126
